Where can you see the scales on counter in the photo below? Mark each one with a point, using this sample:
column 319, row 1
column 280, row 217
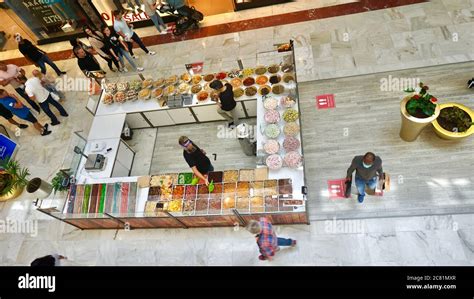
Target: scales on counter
column 94, row 162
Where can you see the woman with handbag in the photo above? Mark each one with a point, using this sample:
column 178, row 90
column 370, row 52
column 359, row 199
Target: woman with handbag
column 96, row 39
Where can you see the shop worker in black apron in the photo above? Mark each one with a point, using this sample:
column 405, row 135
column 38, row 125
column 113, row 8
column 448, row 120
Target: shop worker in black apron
column 196, row 158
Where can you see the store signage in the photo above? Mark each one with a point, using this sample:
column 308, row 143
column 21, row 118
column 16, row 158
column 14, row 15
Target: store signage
column 129, row 17
column 196, row 67
column 325, row 101
column 7, row 147
column 336, row 188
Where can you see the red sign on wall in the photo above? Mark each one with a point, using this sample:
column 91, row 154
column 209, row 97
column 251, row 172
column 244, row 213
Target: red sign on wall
column 336, row 188
column 195, row 67
column 325, row 101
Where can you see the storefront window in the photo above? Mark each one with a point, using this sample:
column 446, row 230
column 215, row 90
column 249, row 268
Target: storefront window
column 50, row 18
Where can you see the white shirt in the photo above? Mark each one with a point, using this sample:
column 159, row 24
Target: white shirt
column 33, row 87
column 121, row 25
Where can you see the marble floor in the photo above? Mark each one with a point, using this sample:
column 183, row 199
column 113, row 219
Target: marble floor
column 429, row 176
column 403, row 228
column 168, row 156
column 407, row 241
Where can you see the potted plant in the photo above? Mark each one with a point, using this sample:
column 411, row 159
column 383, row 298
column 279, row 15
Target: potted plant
column 418, row 111
column 58, row 182
column 455, row 122
column 12, row 179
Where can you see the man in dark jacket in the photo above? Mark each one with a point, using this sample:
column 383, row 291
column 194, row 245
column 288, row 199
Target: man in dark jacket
column 35, row 55
column 367, row 168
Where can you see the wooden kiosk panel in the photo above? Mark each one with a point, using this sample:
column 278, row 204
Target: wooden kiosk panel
column 152, row 222
column 98, row 223
column 209, row 221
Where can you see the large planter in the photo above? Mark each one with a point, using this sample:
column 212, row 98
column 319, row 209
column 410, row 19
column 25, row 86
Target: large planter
column 39, row 188
column 12, row 195
column 412, row 126
column 448, row 135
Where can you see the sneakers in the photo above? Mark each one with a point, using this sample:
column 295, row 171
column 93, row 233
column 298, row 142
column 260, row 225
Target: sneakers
column 22, row 126
column 45, row 132
column 125, row 70
column 65, row 115
column 121, row 70
column 360, row 198
column 56, row 123
column 140, row 69
column 230, row 125
column 293, row 243
column 151, row 53
column 261, row 257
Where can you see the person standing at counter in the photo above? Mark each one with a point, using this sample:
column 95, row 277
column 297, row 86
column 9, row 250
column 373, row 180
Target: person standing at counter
column 196, row 158
column 267, row 241
column 120, row 48
column 367, row 167
column 226, row 104
column 87, row 63
column 99, row 44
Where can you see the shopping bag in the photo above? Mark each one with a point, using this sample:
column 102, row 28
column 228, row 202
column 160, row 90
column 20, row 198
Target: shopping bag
column 386, row 184
column 347, row 191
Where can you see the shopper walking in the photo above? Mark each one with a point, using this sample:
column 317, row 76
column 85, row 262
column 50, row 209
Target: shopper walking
column 267, row 240
column 125, row 30
column 150, row 9
column 14, row 76
column 98, row 43
column 226, row 104
column 196, row 159
column 37, row 92
column 367, row 168
column 11, row 102
column 48, row 261
column 120, row 48
column 35, row 55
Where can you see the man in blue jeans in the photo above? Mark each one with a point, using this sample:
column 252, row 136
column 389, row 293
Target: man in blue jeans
column 367, row 168
column 36, row 55
column 37, row 92
column 267, row 241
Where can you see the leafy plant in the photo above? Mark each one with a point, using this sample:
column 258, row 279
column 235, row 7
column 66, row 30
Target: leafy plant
column 57, row 182
column 421, row 101
column 13, row 176
column 456, row 118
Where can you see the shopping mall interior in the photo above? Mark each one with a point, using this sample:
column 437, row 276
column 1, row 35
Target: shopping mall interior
column 340, row 71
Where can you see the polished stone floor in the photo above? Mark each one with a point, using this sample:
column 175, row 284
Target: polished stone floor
column 434, row 180
column 429, row 176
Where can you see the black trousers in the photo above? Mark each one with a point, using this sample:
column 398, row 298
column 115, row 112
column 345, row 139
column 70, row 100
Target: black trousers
column 136, row 39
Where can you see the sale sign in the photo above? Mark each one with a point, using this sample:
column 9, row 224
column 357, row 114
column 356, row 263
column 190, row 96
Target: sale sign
column 336, row 188
column 325, row 101
column 196, row 67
